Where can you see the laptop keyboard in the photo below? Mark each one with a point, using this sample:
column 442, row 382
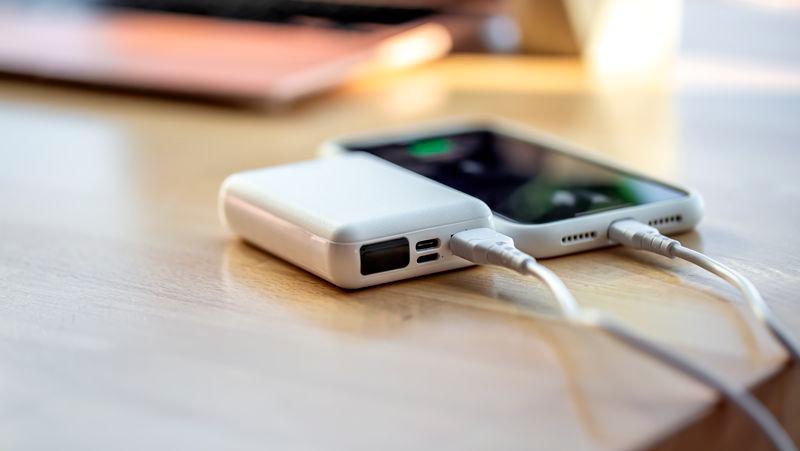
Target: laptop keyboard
column 338, row 15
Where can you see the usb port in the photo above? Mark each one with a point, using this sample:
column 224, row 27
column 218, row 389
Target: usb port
column 424, row 245
column 428, row 258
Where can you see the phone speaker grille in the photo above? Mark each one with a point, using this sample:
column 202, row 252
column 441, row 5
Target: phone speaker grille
column 665, row 220
column 578, row 237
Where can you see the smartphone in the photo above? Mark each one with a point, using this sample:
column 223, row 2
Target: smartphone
column 548, row 195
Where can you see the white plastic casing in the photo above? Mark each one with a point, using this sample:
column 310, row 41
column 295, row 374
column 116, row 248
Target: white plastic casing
column 318, row 214
column 559, row 237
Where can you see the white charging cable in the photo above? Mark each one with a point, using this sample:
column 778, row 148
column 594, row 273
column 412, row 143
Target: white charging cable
column 488, row 247
column 634, row 234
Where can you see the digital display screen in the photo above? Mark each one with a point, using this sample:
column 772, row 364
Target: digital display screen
column 522, row 181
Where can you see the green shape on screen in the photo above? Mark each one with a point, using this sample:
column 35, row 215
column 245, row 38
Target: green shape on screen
column 429, row 147
column 626, row 190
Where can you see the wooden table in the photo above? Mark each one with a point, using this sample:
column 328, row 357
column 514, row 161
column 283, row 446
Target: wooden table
column 132, row 320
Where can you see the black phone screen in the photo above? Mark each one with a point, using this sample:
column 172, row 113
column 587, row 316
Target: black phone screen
column 520, row 180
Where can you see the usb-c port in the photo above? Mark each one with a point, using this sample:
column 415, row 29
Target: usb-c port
column 428, row 257
column 424, row 245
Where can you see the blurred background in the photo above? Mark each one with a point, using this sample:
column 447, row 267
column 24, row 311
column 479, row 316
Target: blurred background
column 281, row 50
column 273, row 78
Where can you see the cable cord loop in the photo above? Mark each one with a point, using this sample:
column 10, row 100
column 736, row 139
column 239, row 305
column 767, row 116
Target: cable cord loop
column 486, row 246
column 634, row 234
column 746, row 402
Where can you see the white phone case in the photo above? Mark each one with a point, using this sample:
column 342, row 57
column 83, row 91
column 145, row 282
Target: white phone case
column 556, row 238
column 322, row 214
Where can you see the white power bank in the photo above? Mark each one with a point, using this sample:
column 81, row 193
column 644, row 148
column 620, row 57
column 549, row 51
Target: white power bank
column 354, row 220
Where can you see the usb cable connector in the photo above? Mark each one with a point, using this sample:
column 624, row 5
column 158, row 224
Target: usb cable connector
column 488, row 247
column 634, row 234
column 631, row 233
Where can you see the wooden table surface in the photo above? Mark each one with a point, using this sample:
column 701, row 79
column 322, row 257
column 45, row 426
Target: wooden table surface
column 130, row 319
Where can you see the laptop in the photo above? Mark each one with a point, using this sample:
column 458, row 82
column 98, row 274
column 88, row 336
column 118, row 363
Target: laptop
column 251, row 50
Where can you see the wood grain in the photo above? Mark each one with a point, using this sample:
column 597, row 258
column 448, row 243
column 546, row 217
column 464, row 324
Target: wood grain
column 132, row 320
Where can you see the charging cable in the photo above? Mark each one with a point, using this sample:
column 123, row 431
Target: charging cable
column 634, row 234
column 488, row 247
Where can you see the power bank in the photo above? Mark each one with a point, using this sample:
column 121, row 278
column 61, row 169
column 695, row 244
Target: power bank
column 354, row 220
